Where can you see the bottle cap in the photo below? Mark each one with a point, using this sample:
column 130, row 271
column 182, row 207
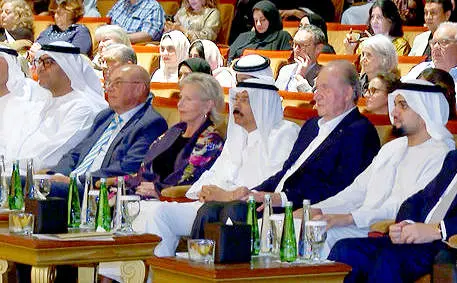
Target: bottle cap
column 103, row 180
column 251, row 197
column 306, row 202
column 267, row 197
column 72, row 175
column 288, row 203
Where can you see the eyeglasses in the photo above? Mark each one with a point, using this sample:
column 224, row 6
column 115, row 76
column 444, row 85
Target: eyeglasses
column 443, row 43
column 372, row 91
column 116, row 84
column 301, row 45
column 46, row 62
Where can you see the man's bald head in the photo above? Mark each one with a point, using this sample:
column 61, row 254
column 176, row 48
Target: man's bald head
column 128, row 86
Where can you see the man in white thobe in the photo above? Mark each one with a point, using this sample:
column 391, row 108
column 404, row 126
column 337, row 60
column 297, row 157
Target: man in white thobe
column 401, row 168
column 67, row 117
column 19, row 96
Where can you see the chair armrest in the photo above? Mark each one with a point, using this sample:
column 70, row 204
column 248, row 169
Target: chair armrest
column 175, row 192
column 382, row 226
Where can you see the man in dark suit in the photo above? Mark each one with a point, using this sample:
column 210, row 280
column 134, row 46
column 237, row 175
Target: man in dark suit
column 330, row 151
column 424, row 220
column 120, row 135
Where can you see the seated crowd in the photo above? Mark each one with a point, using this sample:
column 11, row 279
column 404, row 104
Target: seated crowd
column 90, row 111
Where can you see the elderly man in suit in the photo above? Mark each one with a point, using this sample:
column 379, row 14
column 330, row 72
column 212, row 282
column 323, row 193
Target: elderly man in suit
column 330, row 151
column 120, row 135
column 299, row 76
column 424, row 220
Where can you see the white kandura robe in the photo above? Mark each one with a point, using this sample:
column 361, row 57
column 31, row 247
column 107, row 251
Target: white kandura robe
column 61, row 125
column 396, row 173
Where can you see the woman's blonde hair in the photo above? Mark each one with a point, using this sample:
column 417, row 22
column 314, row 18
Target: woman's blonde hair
column 208, row 4
column 22, row 13
column 76, row 7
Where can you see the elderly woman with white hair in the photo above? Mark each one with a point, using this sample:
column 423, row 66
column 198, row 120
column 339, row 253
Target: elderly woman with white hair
column 174, row 48
column 106, row 35
column 378, row 55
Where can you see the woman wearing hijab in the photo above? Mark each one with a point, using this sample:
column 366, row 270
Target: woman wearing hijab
column 209, row 51
column 174, row 48
column 193, row 65
column 268, row 33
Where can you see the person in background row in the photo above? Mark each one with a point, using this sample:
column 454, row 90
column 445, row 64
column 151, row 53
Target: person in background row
column 174, row 48
column 142, row 19
column 197, row 19
column 193, row 65
column 106, row 35
column 16, row 21
column 384, row 19
column 377, row 56
column 299, row 76
column 209, row 51
column 316, row 20
column 66, row 14
column 446, row 82
column 378, row 89
column 115, row 55
column 268, row 33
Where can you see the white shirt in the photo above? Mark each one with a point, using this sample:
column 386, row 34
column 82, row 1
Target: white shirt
column 64, row 122
column 287, row 81
column 125, row 117
column 325, row 128
column 397, row 172
column 257, row 163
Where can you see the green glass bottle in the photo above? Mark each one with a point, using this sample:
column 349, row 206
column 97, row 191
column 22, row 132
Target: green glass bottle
column 252, row 220
column 16, row 196
column 103, row 216
column 74, row 207
column 288, row 249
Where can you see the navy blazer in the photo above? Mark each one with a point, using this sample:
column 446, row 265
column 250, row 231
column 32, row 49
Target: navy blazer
column 128, row 147
column 343, row 155
column 418, row 206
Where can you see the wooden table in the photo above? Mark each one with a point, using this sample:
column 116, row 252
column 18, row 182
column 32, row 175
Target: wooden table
column 43, row 255
column 261, row 269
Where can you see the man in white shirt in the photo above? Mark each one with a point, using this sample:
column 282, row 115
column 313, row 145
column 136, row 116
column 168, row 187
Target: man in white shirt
column 401, row 168
column 19, row 97
column 435, row 13
column 76, row 99
column 299, row 76
column 444, row 52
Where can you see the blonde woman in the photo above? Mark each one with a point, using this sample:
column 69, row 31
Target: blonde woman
column 16, row 21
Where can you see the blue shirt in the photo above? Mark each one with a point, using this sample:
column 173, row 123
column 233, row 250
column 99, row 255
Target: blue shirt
column 144, row 15
column 76, row 34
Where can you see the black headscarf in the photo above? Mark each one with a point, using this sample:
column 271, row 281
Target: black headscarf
column 198, row 65
column 271, row 13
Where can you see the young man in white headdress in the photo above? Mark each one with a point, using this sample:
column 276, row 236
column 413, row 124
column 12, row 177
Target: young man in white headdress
column 76, row 99
column 401, row 168
column 19, row 96
column 258, row 142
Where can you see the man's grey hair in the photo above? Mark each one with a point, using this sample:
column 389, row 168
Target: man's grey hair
column 119, row 53
column 450, row 25
column 117, row 33
column 349, row 76
column 318, row 35
column 210, row 89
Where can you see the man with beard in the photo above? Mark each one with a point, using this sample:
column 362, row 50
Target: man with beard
column 401, row 168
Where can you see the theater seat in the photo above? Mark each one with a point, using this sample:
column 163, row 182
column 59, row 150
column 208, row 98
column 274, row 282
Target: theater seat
column 148, row 57
column 104, row 6
column 406, row 63
column 278, row 58
column 170, row 7
column 227, row 11
column 336, row 33
column 291, row 27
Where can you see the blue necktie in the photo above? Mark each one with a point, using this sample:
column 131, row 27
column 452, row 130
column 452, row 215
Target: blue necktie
column 95, row 150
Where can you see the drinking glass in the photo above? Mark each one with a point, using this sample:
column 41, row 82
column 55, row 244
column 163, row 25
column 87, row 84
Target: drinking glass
column 316, row 234
column 201, row 250
column 21, row 223
column 130, row 210
column 42, row 183
column 277, row 224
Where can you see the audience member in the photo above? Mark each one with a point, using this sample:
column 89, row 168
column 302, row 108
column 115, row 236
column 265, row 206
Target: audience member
column 115, row 55
column 119, row 136
column 142, row 19
column 19, row 97
column 330, row 151
column 258, row 142
column 268, row 33
column 377, row 56
column 297, row 9
column 383, row 19
column 424, row 221
column 182, row 154
column 191, row 65
column 106, row 35
column 435, row 13
column 446, row 82
column 66, row 14
column 66, row 119
column 16, row 21
column 174, row 48
column 316, row 20
column 401, row 168
column 197, row 19
column 444, row 52
column 378, row 89
column 299, row 76
column 90, row 8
